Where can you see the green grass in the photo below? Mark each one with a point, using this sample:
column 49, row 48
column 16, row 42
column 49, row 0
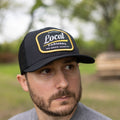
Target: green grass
column 101, row 95
column 9, row 69
column 13, row 100
column 87, row 68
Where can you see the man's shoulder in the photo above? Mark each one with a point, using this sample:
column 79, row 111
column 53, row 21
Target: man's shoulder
column 85, row 113
column 25, row 115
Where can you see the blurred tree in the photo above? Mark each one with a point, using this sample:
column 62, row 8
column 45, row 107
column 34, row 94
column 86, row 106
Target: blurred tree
column 64, row 9
column 91, row 47
column 102, row 13
column 4, row 4
column 37, row 4
column 115, row 31
column 61, row 6
column 7, row 6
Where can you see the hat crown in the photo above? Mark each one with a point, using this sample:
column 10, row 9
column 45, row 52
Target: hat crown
column 43, row 46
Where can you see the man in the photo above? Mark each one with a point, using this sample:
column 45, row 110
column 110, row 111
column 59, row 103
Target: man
column 48, row 60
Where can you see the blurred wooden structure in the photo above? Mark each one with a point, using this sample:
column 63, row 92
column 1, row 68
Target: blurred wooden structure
column 108, row 64
column 8, row 57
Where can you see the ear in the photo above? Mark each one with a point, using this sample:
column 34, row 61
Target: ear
column 23, row 82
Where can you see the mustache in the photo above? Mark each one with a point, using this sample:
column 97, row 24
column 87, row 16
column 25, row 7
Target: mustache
column 62, row 93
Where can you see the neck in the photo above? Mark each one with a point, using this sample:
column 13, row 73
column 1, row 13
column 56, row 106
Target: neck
column 44, row 116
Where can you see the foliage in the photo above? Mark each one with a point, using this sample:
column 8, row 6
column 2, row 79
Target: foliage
column 83, row 9
column 92, row 47
column 115, row 31
column 3, row 5
column 6, row 6
column 38, row 4
column 102, row 13
column 63, row 3
column 11, row 47
column 8, row 52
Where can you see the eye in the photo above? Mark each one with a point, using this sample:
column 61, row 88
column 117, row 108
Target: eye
column 45, row 71
column 69, row 67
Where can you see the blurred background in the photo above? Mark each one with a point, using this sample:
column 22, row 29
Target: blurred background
column 95, row 25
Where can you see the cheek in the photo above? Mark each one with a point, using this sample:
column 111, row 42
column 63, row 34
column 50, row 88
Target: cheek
column 74, row 78
column 41, row 89
column 75, row 82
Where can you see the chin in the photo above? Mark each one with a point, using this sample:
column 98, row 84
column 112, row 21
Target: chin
column 64, row 109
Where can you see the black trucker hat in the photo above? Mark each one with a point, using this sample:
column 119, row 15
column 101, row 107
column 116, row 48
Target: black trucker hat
column 46, row 45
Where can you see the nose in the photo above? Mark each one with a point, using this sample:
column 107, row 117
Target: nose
column 61, row 80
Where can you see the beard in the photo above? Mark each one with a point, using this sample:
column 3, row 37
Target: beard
column 45, row 107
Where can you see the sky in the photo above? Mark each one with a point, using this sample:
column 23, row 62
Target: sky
column 16, row 22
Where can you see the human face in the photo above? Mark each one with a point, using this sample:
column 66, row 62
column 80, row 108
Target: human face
column 56, row 88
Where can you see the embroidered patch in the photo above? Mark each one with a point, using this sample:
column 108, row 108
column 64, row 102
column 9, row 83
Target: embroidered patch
column 54, row 40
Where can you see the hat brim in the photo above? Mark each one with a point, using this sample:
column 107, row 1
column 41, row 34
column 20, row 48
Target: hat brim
column 41, row 63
